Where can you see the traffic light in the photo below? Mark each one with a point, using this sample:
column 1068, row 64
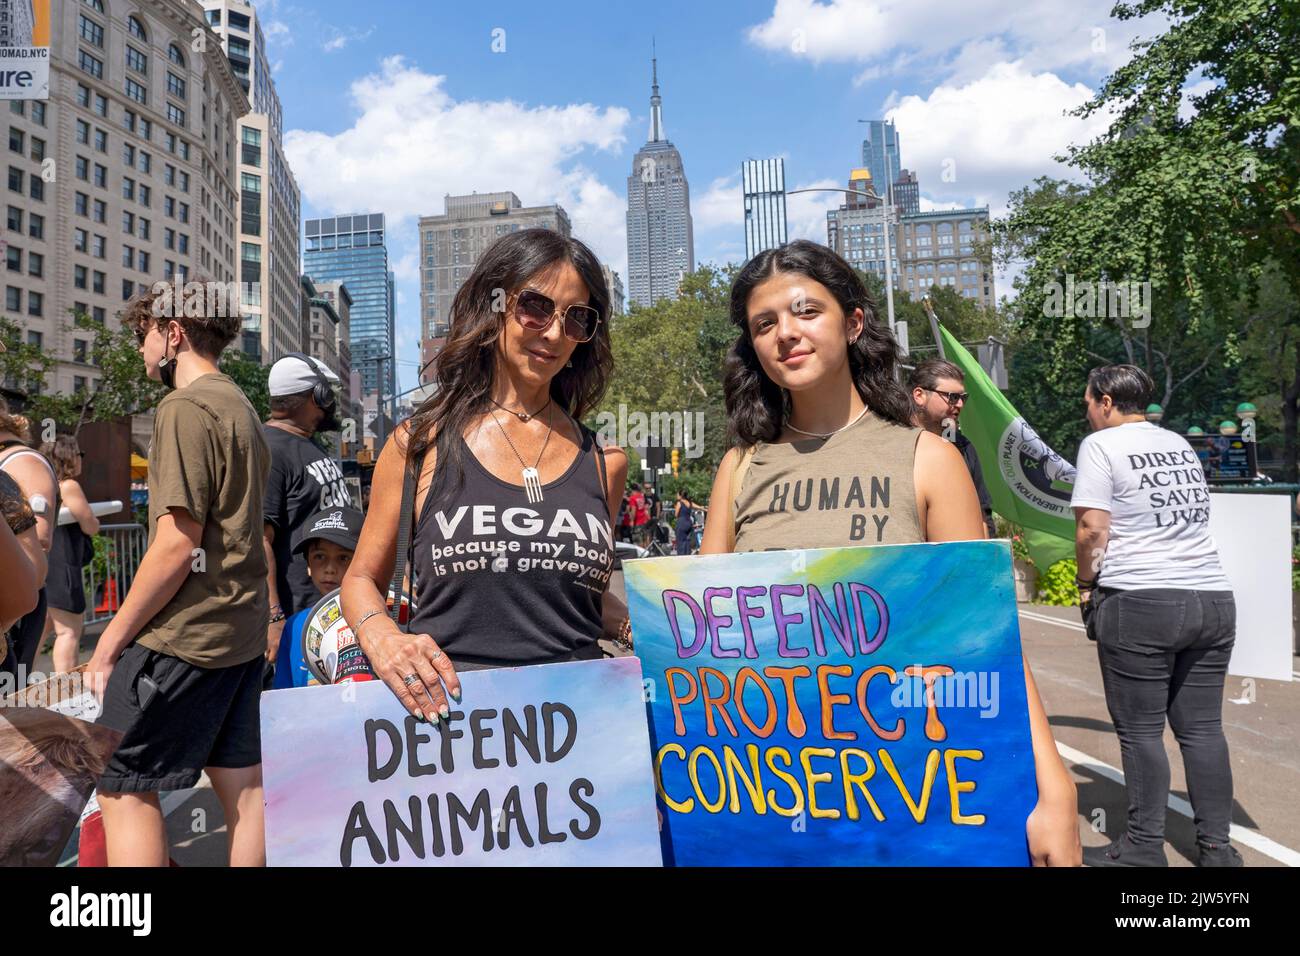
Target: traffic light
column 677, row 458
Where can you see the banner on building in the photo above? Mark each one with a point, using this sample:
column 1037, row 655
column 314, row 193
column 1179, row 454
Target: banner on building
column 25, row 49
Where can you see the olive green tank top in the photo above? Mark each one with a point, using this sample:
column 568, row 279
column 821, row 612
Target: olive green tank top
column 853, row 489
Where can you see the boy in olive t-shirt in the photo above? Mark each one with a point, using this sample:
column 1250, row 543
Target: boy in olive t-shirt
column 180, row 667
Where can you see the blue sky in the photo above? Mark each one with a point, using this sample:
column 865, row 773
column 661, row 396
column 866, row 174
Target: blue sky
column 391, row 105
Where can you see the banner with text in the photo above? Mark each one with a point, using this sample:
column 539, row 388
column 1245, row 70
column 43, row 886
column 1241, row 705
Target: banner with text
column 854, row 706
column 25, row 49
column 537, row 766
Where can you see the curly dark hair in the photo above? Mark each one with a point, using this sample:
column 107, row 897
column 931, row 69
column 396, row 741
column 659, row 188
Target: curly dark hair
column 756, row 406
column 465, row 369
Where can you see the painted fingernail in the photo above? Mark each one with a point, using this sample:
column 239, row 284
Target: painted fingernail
column 434, row 718
column 455, row 695
column 445, row 711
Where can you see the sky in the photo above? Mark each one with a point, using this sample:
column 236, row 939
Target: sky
column 390, row 106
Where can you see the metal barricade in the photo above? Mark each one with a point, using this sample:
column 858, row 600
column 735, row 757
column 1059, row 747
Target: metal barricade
column 119, row 549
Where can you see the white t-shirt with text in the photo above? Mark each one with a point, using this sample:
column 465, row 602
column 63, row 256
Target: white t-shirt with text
column 1153, row 485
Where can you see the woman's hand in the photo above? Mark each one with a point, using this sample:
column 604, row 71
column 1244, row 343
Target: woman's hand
column 1053, row 831
column 415, row 670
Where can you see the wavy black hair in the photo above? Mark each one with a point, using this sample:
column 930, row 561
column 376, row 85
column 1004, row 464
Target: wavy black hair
column 756, row 406
column 465, row 369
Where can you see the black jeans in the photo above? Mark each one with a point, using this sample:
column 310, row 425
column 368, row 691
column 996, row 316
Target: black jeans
column 1164, row 654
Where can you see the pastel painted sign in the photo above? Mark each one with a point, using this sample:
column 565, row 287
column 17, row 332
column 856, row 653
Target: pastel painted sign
column 856, row 706
column 537, row 766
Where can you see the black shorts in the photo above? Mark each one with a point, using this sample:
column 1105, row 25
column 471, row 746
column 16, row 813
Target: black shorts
column 198, row 717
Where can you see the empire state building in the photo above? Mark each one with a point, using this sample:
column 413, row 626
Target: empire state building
column 660, row 236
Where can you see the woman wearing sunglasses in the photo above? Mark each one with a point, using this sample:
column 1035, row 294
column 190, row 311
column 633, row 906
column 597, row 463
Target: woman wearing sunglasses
column 514, row 503
column 815, row 413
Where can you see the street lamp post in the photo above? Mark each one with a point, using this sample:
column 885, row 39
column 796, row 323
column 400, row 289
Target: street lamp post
column 887, row 211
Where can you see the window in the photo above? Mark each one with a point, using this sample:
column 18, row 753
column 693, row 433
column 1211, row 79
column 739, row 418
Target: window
column 185, row 213
column 175, row 114
column 83, row 96
column 128, row 120
column 146, row 162
column 83, row 132
column 128, row 289
column 14, row 259
column 145, row 195
column 101, row 211
column 136, row 28
column 143, row 231
column 97, row 282
column 35, row 338
column 79, row 274
column 90, row 64
column 97, row 313
column 78, row 383
column 128, row 187
column 83, row 168
column 185, row 182
column 136, row 91
column 146, row 129
column 184, row 146
column 183, row 246
column 101, row 104
column 128, row 154
column 128, row 257
column 169, row 238
column 35, row 304
column 96, row 5
column 15, row 219
column 35, row 265
column 15, row 179
column 136, row 60
column 98, row 244
column 83, row 204
column 91, row 32
column 13, row 298
column 169, row 174
column 36, row 226
column 250, row 183
column 38, row 113
column 101, row 176
column 38, row 149
column 16, row 139
column 174, row 54
column 80, row 240
column 128, row 223
column 169, row 207
column 175, row 85
column 144, row 261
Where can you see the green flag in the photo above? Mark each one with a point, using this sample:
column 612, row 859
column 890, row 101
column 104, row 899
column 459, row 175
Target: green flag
column 1029, row 483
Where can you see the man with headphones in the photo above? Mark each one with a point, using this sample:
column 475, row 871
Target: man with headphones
column 303, row 480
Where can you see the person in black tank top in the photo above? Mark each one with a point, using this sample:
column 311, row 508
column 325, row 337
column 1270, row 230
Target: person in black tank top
column 512, row 538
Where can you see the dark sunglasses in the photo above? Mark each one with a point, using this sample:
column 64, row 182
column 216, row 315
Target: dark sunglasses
column 952, row 398
column 536, row 312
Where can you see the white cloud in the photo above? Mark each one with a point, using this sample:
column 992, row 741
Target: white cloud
column 719, row 216
column 721, row 205
column 977, row 141
column 893, row 35
column 341, row 39
column 409, row 144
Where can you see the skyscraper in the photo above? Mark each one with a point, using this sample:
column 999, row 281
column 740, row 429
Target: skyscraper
column 880, row 153
column 351, row 249
column 763, row 182
column 269, row 199
column 450, row 246
column 660, row 235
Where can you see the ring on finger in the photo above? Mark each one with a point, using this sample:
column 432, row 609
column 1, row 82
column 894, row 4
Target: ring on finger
column 436, row 656
column 411, row 679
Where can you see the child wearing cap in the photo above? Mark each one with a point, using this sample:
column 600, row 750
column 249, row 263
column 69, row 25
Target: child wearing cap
column 327, row 540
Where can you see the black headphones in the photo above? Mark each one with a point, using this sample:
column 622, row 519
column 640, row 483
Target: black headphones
column 322, row 392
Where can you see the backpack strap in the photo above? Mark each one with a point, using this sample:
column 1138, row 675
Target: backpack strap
column 396, row 585
column 737, row 479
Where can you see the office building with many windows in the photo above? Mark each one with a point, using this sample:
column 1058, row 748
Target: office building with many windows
column 763, row 186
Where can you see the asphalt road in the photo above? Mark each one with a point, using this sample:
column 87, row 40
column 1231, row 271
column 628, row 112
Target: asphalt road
column 1260, row 720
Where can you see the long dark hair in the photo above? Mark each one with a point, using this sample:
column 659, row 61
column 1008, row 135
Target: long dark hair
column 756, row 406
column 465, row 369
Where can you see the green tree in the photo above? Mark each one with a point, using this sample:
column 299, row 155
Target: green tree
column 251, row 377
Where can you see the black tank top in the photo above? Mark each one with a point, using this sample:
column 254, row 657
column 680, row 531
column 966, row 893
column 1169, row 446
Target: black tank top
column 500, row 582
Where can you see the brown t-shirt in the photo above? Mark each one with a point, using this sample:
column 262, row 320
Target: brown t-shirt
column 209, row 457
column 855, row 488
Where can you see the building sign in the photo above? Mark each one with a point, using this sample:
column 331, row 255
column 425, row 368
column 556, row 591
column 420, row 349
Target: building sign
column 25, row 49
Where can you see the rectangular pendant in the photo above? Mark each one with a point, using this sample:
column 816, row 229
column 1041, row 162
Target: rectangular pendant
column 532, row 485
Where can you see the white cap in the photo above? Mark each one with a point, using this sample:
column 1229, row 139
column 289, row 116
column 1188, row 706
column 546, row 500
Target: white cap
column 292, row 375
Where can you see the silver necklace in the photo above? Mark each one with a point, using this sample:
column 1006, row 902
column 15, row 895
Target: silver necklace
column 532, row 478
column 829, row 434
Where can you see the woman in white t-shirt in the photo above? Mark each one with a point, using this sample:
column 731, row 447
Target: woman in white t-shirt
column 1156, row 601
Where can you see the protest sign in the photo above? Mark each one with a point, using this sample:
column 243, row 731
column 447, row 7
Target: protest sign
column 855, row 706
column 536, row 766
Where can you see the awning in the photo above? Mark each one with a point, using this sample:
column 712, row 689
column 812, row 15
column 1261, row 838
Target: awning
column 139, row 467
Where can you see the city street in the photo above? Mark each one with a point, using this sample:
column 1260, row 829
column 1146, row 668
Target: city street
column 1266, row 771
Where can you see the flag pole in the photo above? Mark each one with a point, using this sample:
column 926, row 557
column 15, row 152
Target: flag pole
column 934, row 325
